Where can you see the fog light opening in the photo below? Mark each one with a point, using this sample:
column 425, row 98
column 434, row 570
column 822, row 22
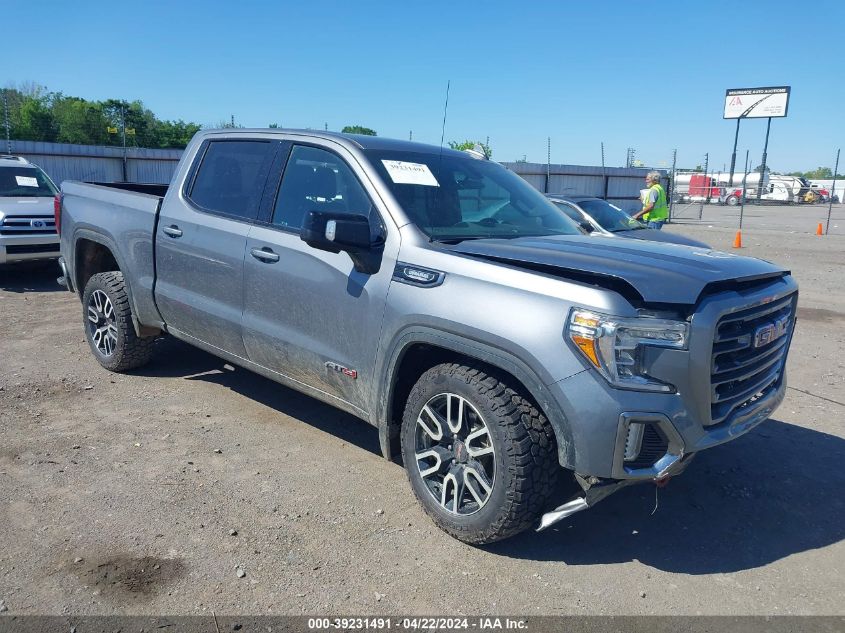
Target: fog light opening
column 634, row 441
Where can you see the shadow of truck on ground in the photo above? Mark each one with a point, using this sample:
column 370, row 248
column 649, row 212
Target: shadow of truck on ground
column 774, row 492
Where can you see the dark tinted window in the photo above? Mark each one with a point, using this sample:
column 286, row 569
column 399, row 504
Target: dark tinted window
column 317, row 180
column 25, row 182
column 232, row 176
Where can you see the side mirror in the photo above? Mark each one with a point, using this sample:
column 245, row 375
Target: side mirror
column 336, row 232
column 588, row 228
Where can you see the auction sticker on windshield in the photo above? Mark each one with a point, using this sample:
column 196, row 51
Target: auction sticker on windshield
column 403, row 173
column 26, row 181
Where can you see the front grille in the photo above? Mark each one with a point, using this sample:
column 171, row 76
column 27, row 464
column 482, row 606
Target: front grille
column 654, row 446
column 749, row 349
column 28, row 225
column 28, row 249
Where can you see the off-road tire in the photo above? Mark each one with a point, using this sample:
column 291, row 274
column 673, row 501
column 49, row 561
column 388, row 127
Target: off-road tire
column 131, row 351
column 527, row 471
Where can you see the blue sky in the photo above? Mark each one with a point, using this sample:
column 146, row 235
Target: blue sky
column 648, row 75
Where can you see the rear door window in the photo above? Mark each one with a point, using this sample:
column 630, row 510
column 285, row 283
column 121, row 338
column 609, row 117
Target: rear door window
column 231, row 177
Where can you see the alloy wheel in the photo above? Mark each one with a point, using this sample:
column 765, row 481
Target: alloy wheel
column 455, row 454
column 101, row 323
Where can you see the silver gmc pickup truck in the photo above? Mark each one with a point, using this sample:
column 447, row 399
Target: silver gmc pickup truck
column 505, row 358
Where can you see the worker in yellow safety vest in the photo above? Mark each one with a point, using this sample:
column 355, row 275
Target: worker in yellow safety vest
column 655, row 210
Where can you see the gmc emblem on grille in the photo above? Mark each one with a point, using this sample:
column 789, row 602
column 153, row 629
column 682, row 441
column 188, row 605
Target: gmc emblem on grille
column 771, row 332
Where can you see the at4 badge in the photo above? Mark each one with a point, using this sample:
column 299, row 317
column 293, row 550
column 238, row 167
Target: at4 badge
column 352, row 373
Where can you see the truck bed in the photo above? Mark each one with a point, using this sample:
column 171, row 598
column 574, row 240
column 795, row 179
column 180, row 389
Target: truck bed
column 122, row 217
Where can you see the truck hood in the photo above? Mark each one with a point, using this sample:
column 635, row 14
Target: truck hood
column 657, row 272
column 654, row 235
column 26, row 206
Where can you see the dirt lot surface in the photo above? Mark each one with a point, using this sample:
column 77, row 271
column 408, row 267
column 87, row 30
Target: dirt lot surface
column 150, row 492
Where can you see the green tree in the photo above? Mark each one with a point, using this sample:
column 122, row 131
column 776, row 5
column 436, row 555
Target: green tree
column 29, row 112
column 35, row 120
column 79, row 121
column 176, row 134
column 359, row 129
column 37, row 114
column 467, row 144
column 819, row 173
column 141, row 123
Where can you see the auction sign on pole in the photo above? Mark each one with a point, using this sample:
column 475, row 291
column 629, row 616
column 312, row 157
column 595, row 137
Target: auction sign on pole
column 757, row 103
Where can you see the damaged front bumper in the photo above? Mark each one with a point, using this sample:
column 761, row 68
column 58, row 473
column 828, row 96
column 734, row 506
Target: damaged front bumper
column 595, row 489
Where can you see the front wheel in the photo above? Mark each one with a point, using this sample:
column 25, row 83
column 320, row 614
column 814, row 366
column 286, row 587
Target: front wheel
column 480, row 457
column 732, row 201
column 108, row 324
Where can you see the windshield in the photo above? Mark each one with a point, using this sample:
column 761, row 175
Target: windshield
column 608, row 216
column 457, row 198
column 25, row 182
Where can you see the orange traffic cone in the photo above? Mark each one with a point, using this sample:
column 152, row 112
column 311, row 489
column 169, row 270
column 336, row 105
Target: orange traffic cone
column 738, row 240
column 819, row 229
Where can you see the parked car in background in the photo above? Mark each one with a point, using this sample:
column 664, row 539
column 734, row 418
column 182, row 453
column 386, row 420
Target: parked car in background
column 27, row 225
column 595, row 215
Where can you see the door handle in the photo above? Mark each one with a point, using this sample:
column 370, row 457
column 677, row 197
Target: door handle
column 172, row 231
column 265, row 255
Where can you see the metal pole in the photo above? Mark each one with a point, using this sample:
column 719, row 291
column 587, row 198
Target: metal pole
column 763, row 166
column 832, row 191
column 733, row 156
column 411, row 135
column 6, row 111
column 123, row 126
column 742, row 200
column 602, row 156
column 707, row 189
column 672, row 183
column 548, row 163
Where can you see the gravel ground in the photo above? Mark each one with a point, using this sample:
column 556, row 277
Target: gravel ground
column 191, row 487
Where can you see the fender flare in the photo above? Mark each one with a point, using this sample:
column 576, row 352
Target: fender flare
column 106, row 241
column 470, row 348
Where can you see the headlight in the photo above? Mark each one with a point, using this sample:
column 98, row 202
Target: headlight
column 615, row 346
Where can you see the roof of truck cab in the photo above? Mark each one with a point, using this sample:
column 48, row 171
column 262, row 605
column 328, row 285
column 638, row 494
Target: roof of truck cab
column 361, row 140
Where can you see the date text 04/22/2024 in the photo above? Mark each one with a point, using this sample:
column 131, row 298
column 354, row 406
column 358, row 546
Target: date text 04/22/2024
column 418, row 623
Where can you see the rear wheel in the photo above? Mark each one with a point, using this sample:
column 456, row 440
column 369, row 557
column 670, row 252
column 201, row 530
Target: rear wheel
column 108, row 324
column 480, row 457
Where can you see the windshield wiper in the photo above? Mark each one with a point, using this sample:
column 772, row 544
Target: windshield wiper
column 456, row 238
column 460, row 238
